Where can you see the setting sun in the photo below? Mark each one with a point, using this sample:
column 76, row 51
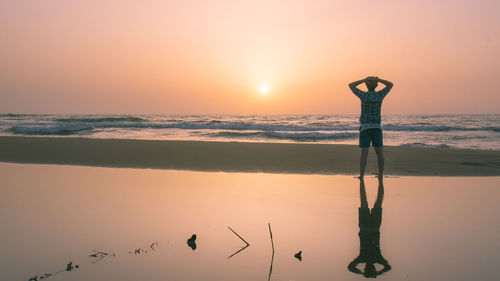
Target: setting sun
column 264, row 89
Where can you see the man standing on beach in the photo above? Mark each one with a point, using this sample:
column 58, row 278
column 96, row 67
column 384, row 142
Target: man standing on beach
column 370, row 130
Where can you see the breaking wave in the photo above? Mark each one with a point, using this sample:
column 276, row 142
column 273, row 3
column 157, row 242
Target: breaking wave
column 62, row 131
column 102, row 119
column 420, row 144
column 305, row 137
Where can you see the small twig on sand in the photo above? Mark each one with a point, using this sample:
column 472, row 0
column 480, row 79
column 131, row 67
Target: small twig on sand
column 272, row 257
column 246, row 246
column 238, row 251
column 271, row 234
column 239, row 236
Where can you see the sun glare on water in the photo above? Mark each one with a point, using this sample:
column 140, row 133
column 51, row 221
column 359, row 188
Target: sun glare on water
column 264, row 89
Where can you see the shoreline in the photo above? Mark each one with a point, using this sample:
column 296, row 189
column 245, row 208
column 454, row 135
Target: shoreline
column 213, row 156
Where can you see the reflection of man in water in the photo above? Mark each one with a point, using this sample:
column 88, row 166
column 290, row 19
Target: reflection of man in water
column 369, row 235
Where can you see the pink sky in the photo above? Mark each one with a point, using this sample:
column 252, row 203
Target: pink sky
column 202, row 57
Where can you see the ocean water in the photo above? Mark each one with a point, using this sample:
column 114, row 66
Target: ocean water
column 443, row 131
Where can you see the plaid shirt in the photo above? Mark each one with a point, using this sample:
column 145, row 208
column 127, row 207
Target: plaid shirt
column 371, row 103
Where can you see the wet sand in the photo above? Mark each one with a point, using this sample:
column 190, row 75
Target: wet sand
column 246, row 156
column 133, row 224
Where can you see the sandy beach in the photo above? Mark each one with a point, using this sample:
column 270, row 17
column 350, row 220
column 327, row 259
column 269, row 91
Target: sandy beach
column 245, row 156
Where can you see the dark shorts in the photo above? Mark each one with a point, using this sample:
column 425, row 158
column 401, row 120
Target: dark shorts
column 373, row 136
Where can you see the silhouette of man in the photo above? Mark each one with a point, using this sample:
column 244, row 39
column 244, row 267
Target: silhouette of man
column 369, row 235
column 370, row 130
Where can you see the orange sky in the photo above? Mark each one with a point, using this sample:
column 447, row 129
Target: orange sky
column 203, row 57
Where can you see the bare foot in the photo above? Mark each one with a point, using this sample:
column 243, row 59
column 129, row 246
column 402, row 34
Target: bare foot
column 359, row 177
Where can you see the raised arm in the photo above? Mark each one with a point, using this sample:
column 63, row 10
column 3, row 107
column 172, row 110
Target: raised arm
column 360, row 94
column 386, row 267
column 354, row 84
column 388, row 84
column 352, row 266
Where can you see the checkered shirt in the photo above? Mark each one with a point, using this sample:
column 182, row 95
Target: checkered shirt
column 371, row 103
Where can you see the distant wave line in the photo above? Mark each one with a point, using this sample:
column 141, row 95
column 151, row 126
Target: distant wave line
column 286, row 136
column 420, row 144
column 234, row 126
column 102, row 119
column 64, row 131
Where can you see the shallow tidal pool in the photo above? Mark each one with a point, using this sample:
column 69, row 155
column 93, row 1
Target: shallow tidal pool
column 86, row 223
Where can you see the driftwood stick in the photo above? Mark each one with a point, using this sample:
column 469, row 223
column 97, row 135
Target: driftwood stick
column 272, row 257
column 271, row 234
column 239, row 236
column 238, row 251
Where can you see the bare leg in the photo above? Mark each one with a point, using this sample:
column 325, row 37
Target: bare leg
column 380, row 193
column 381, row 161
column 362, row 193
column 362, row 161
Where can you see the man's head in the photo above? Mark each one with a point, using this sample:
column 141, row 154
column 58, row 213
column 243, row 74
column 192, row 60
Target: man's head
column 371, row 83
